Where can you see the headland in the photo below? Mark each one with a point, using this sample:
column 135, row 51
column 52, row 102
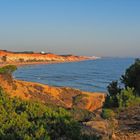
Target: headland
column 31, row 58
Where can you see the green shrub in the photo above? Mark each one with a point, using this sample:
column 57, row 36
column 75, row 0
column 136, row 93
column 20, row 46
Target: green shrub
column 131, row 78
column 9, row 69
column 127, row 98
column 135, row 102
column 111, row 98
column 124, row 97
column 108, row 113
column 26, row 120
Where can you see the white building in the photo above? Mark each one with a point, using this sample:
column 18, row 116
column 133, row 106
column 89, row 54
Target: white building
column 42, row 52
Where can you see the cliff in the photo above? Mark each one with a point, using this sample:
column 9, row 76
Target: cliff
column 27, row 57
column 60, row 96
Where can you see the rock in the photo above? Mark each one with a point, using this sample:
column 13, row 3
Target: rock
column 98, row 127
column 129, row 124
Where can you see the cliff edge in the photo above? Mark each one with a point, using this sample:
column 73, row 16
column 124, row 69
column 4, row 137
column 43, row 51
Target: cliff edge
column 60, row 96
column 36, row 57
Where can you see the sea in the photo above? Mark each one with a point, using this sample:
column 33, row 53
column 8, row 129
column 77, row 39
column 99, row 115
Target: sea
column 89, row 75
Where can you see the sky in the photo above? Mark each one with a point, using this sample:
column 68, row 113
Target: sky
column 80, row 27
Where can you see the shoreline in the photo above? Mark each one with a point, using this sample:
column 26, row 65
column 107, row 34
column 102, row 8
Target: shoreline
column 59, row 96
column 20, row 64
column 40, row 63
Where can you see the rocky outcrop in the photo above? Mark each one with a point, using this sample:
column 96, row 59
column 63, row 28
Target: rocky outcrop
column 60, row 96
column 128, row 124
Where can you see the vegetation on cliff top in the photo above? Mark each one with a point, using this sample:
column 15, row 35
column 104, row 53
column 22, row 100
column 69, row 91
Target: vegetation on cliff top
column 30, row 120
column 8, row 69
column 123, row 97
column 132, row 77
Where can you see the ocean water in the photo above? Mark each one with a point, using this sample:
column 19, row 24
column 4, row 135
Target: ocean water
column 91, row 75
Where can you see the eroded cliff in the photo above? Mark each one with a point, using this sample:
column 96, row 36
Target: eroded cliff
column 61, row 96
column 28, row 57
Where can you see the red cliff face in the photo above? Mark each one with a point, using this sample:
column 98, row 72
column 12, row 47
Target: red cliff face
column 6, row 56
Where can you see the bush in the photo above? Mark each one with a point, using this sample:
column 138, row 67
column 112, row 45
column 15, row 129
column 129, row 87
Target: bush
column 30, row 120
column 111, row 99
column 9, row 69
column 127, row 98
column 108, row 114
column 131, row 78
column 119, row 97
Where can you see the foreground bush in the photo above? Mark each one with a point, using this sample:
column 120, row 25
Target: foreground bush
column 131, row 78
column 128, row 95
column 23, row 120
column 111, row 99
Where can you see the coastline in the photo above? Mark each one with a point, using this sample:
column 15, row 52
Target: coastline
column 60, row 96
column 34, row 58
column 41, row 63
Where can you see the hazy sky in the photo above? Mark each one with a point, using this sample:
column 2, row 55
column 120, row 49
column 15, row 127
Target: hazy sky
column 83, row 27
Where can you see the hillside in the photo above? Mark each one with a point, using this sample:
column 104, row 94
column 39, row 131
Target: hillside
column 60, row 96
